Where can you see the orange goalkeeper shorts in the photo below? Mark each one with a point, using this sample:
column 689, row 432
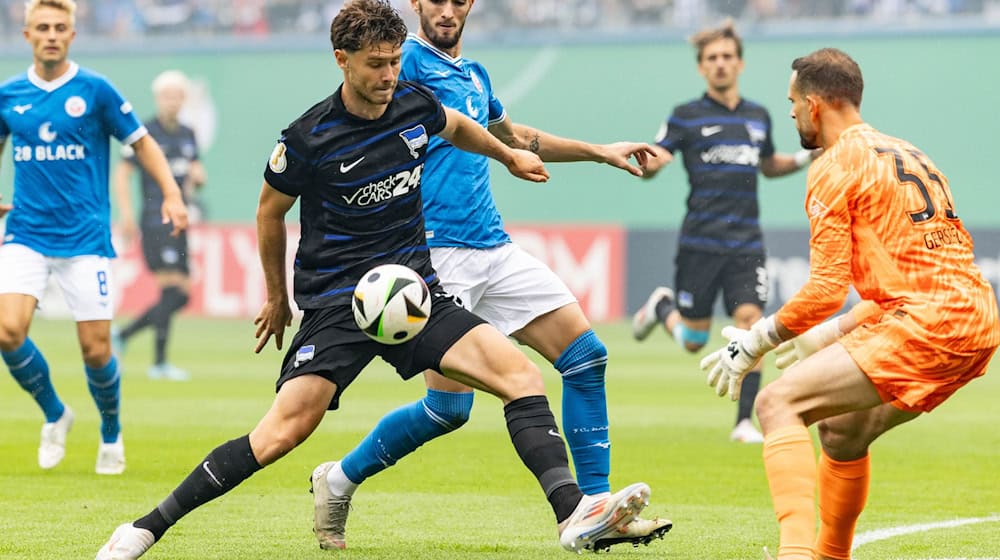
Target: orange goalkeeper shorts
column 910, row 371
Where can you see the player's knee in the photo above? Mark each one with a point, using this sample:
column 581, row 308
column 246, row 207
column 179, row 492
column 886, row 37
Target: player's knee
column 523, row 379
column 771, row 402
column 843, row 441
column 449, row 410
column 11, row 337
column 96, row 353
column 690, row 339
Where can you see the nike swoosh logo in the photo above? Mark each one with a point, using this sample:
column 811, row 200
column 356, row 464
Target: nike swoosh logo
column 710, row 130
column 554, row 433
column 22, row 109
column 344, row 168
column 209, row 471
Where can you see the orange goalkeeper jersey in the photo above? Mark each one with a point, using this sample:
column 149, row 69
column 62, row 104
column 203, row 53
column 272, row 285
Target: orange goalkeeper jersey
column 881, row 218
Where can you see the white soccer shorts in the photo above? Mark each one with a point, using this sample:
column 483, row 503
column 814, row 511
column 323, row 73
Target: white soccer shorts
column 85, row 280
column 504, row 285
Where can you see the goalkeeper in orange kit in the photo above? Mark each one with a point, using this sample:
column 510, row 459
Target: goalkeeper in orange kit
column 881, row 219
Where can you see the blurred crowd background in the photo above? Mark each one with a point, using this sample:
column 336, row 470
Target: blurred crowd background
column 125, row 19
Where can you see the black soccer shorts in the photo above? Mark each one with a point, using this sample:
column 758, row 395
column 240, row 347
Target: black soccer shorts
column 164, row 252
column 700, row 276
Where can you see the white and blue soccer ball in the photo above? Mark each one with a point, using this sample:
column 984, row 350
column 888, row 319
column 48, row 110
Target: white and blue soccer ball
column 391, row 303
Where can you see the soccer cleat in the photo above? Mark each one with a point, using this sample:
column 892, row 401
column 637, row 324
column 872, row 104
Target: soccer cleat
column 330, row 510
column 596, row 517
column 111, row 457
column 168, row 372
column 52, row 447
column 644, row 320
column 745, row 432
column 126, row 543
column 639, row 531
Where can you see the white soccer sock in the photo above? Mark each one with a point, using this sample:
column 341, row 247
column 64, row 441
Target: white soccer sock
column 338, row 482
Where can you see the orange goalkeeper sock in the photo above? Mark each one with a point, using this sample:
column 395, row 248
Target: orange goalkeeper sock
column 843, row 492
column 791, row 474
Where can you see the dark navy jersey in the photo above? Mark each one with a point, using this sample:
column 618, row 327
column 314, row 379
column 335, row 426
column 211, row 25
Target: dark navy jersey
column 181, row 149
column 358, row 181
column 722, row 150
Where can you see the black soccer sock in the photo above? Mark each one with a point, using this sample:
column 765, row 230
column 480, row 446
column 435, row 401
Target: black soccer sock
column 536, row 438
column 222, row 470
column 172, row 300
column 663, row 309
column 748, row 393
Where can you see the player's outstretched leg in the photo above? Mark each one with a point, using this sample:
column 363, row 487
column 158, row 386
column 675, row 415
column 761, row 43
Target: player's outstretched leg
column 28, row 367
column 653, row 312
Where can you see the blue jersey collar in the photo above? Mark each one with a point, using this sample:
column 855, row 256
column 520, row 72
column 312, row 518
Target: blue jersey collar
column 55, row 84
column 457, row 61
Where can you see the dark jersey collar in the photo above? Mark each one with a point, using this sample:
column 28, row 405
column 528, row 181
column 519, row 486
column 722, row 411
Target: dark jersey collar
column 708, row 99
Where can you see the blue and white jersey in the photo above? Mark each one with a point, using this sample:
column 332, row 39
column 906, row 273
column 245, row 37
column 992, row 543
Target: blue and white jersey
column 60, row 133
column 459, row 210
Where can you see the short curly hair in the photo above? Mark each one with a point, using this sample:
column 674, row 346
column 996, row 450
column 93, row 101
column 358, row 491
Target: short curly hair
column 830, row 73
column 363, row 23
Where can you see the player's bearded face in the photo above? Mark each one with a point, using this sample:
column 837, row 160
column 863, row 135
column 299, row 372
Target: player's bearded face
column 802, row 115
column 443, row 22
column 49, row 31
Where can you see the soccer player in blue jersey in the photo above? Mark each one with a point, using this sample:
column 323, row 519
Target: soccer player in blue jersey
column 59, row 118
column 725, row 141
column 166, row 255
column 492, row 277
column 355, row 162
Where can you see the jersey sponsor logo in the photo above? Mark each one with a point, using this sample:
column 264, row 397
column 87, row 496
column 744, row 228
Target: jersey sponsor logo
column 414, row 138
column 75, row 106
column 305, row 354
column 345, row 167
column 710, row 130
column 757, row 133
column 22, row 109
column 60, row 152
column 125, row 108
column 473, row 111
column 45, row 132
column 392, row 186
column 278, row 162
column 476, row 82
column 734, row 155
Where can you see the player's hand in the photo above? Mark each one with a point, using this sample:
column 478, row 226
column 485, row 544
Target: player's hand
column 618, row 155
column 272, row 320
column 728, row 366
column 790, row 352
column 4, row 208
column 173, row 211
column 528, row 166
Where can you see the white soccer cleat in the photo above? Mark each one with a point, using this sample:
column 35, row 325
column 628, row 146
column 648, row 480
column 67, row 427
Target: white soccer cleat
column 52, row 447
column 644, row 320
column 330, row 510
column 126, row 543
column 598, row 516
column 745, row 432
column 639, row 531
column 168, row 372
column 111, row 457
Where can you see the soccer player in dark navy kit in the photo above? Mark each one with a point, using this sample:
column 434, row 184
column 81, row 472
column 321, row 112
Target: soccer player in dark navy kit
column 725, row 141
column 354, row 162
column 166, row 255
column 59, row 119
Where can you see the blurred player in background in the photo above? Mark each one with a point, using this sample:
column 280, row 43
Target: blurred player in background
column 59, row 118
column 493, row 277
column 355, row 162
column 725, row 141
column 881, row 219
column 166, row 255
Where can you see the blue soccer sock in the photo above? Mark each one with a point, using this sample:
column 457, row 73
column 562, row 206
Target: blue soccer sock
column 105, row 387
column 585, row 411
column 405, row 429
column 31, row 371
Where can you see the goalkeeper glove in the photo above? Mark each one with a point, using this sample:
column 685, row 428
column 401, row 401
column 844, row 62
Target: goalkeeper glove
column 790, row 352
column 728, row 366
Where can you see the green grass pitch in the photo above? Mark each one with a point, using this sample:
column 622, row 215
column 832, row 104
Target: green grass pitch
column 465, row 495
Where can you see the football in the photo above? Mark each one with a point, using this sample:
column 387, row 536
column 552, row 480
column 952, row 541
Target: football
column 391, row 303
